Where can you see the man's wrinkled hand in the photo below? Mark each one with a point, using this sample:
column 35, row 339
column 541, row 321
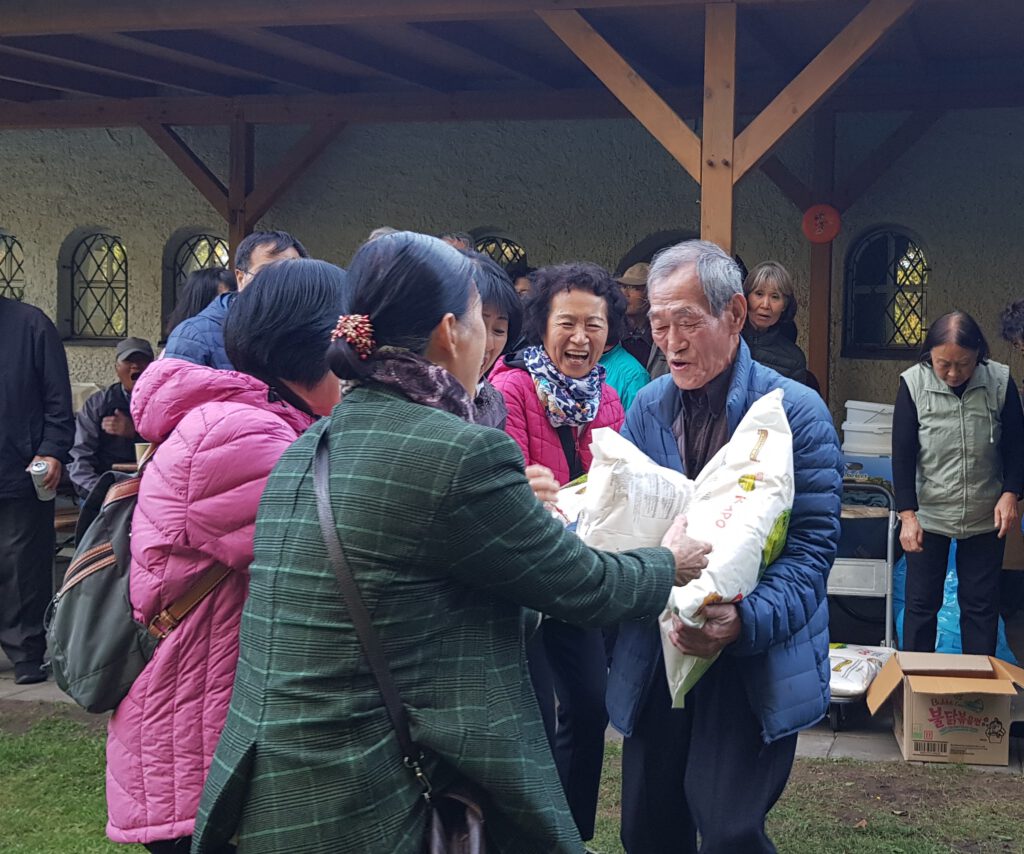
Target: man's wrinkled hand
column 119, row 424
column 720, row 630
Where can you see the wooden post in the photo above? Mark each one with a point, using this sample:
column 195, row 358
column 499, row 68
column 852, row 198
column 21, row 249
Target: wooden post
column 716, row 183
column 241, row 170
column 819, row 310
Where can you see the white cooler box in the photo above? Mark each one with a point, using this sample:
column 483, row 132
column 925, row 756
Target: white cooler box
column 868, row 428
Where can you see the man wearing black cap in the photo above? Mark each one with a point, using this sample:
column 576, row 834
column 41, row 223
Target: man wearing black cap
column 104, row 431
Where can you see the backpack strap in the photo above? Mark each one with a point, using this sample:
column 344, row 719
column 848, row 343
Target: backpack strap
column 168, row 619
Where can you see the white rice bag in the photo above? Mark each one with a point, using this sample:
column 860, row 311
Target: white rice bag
column 741, row 505
column 630, row 501
column 853, row 668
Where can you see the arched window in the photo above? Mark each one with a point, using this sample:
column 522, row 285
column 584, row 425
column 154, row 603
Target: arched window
column 886, row 287
column 12, row 262
column 98, row 287
column 189, row 250
column 501, row 246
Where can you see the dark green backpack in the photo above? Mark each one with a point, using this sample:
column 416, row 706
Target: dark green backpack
column 97, row 647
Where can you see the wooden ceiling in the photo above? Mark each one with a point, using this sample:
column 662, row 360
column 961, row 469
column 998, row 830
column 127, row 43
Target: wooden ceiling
column 83, row 62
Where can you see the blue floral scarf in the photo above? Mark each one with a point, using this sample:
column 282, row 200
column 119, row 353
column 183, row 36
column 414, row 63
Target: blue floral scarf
column 568, row 401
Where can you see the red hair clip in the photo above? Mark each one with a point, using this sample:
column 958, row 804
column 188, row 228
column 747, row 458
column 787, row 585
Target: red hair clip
column 357, row 330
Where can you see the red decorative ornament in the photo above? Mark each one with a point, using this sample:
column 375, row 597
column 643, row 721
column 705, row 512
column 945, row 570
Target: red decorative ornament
column 357, row 330
column 821, row 223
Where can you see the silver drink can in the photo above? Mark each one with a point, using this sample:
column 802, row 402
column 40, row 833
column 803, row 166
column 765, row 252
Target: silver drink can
column 39, row 470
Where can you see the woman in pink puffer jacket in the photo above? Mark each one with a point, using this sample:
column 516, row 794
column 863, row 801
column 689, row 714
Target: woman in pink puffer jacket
column 219, row 434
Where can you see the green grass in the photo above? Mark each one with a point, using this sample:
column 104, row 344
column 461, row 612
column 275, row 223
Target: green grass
column 52, row 802
column 51, row 791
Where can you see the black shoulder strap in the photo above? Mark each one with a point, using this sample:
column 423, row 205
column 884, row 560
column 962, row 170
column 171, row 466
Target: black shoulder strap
column 360, row 616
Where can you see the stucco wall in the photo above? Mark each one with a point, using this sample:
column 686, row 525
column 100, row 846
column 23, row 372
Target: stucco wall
column 566, row 189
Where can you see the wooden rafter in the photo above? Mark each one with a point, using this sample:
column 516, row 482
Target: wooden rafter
column 812, row 85
column 280, row 43
column 206, row 64
column 649, row 108
column 875, row 164
column 45, row 17
column 716, row 183
column 370, row 54
column 272, row 66
column 22, row 93
column 23, row 67
column 472, row 37
column 190, row 164
column 270, row 187
column 127, row 63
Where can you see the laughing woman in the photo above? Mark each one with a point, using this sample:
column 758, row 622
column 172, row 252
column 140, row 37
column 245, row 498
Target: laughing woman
column 556, row 397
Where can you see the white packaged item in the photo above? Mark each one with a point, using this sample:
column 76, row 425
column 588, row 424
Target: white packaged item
column 630, row 501
column 866, row 412
column 867, row 438
column 853, row 668
column 569, row 503
column 741, row 505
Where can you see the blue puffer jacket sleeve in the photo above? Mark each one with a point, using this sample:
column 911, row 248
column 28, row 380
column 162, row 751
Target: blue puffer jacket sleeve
column 793, row 588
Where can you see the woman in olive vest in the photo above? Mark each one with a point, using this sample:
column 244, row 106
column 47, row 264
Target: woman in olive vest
column 958, row 470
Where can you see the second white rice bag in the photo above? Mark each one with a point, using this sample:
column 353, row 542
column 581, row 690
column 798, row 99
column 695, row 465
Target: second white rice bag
column 741, row 505
column 630, row 501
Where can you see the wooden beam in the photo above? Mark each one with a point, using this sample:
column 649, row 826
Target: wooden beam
column 270, row 187
column 877, row 163
column 791, row 186
column 283, row 43
column 812, row 85
column 819, row 309
column 241, row 173
column 24, row 93
column 47, row 17
column 639, row 98
column 190, row 164
column 716, row 182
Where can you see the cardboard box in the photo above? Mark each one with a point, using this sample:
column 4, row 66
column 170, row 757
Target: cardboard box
column 949, row 708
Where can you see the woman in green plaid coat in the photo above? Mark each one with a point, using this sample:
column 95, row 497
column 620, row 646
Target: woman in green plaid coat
column 449, row 546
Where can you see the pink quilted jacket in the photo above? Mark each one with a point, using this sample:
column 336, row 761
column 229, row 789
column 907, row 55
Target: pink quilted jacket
column 528, row 422
column 219, row 438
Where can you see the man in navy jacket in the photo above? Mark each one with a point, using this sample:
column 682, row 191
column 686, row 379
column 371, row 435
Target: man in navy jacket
column 36, row 425
column 718, row 765
column 200, row 339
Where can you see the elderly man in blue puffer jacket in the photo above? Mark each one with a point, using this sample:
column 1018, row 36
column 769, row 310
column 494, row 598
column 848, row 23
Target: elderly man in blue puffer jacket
column 718, row 766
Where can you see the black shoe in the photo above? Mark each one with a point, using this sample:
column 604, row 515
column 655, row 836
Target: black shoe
column 29, row 672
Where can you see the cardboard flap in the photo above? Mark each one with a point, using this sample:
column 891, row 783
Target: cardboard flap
column 1009, row 671
column 889, row 678
column 959, row 685
column 944, row 663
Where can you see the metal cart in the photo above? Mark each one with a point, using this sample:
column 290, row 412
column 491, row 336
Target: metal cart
column 869, row 573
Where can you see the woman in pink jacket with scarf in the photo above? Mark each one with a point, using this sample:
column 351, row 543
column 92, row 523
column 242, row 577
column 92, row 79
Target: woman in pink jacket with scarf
column 556, row 397
column 219, row 434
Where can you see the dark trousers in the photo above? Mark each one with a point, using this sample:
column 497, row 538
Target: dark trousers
column 979, row 562
column 703, row 768
column 569, row 663
column 27, row 544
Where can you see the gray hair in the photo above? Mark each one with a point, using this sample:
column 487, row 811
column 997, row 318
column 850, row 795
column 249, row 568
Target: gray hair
column 719, row 275
column 383, row 231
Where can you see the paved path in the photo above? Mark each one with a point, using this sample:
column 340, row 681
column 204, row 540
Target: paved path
column 861, row 736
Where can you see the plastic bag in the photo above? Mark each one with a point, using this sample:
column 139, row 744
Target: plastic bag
column 630, row 501
column 741, row 505
column 853, row 668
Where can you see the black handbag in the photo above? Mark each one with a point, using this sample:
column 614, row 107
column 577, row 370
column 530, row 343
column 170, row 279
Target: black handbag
column 456, row 823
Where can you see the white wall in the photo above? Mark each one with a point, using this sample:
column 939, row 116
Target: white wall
column 587, row 190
